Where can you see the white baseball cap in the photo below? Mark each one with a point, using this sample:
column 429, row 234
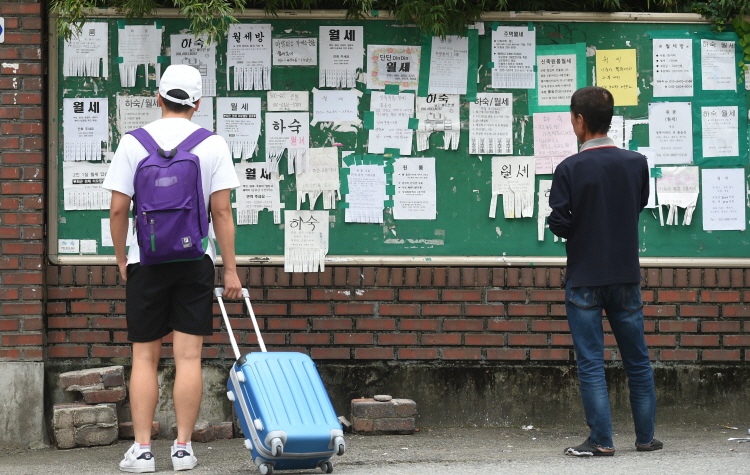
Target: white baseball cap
column 185, row 78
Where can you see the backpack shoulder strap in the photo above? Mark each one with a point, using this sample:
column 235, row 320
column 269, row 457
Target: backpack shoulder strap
column 145, row 139
column 194, row 139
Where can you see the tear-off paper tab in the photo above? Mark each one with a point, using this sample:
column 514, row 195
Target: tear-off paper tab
column 259, row 190
column 85, row 127
column 366, row 195
column 513, row 177
column 249, row 55
column 677, row 188
column 305, row 240
column 288, row 131
column 491, row 124
column 238, row 121
column 341, row 55
column 438, row 113
column 84, row 53
column 138, row 44
column 544, row 209
column 321, row 178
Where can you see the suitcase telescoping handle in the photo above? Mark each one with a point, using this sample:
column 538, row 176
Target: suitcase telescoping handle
column 218, row 292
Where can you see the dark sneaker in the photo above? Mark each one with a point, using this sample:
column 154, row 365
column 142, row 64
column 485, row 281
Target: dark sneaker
column 655, row 444
column 183, row 459
column 587, row 449
column 143, row 463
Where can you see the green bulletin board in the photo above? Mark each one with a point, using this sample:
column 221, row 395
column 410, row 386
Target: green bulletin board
column 462, row 228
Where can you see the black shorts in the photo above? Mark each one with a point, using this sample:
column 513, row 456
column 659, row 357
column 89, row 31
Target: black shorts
column 170, row 296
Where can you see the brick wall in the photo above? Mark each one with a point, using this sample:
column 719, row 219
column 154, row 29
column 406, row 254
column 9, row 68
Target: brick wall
column 512, row 315
column 22, row 174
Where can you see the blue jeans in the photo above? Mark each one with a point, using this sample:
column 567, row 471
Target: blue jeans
column 624, row 308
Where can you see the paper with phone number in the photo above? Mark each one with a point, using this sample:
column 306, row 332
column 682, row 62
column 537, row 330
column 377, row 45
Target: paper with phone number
column 305, row 240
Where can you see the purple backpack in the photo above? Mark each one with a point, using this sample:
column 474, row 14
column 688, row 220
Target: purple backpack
column 168, row 207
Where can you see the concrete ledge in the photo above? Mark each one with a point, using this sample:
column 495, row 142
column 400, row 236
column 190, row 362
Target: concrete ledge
column 22, row 405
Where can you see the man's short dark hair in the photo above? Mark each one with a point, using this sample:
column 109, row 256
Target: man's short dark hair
column 596, row 105
column 173, row 106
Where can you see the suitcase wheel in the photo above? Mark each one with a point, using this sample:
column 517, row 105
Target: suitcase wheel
column 230, row 396
column 265, row 469
column 277, row 447
column 326, row 467
column 339, row 445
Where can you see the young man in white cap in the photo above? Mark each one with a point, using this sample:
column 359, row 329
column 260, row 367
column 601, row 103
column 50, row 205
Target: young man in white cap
column 171, row 297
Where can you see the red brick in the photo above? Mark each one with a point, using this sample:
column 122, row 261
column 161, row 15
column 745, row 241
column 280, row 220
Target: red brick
column 287, row 294
column 418, row 295
column 527, row 340
column 517, row 354
column 485, row 340
column 483, row 277
column 678, row 327
column 329, row 294
column 557, row 355
column 492, row 310
column 737, row 340
column 688, row 311
column 22, row 308
column 417, row 353
column 374, row 353
column 309, row 339
column 425, row 277
column 57, row 337
column 397, row 339
column 376, row 324
column 21, row 340
column 9, row 263
column 419, row 325
column 678, row 355
column 410, row 277
column 12, row 354
column 721, row 355
column 661, row 340
column 678, row 296
column 441, row 339
column 506, row 295
column 57, row 308
column 468, row 277
column 339, row 276
column 547, row 295
column 55, row 293
column 374, row 294
column 90, row 307
column 21, row 278
column 660, row 310
column 462, row 353
column 681, row 278
column 527, row 310
column 720, row 296
column 89, row 337
column 737, row 277
column 368, row 276
column 715, row 327
column 109, row 322
column 287, row 324
column 440, row 277
column 268, row 309
column 9, row 325
column 507, row 325
column 404, row 310
column 527, row 277
column 68, row 322
column 735, row 311
column 549, row 326
column 475, row 325
column 354, row 309
column 454, row 277
column 383, row 277
column 20, row 8
column 441, row 310
column 353, row 339
column 327, row 324
column 462, row 295
column 561, row 340
column 320, row 309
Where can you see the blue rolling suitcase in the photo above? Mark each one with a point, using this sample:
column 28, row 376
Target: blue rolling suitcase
column 283, row 408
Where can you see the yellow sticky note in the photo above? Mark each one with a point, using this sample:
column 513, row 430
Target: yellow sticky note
column 616, row 71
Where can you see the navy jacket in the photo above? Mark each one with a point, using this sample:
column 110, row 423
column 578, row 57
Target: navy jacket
column 596, row 198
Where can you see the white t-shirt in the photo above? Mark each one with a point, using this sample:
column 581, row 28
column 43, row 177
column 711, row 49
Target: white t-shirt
column 217, row 168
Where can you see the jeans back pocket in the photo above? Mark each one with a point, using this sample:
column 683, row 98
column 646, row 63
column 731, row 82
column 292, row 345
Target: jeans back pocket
column 585, row 297
column 631, row 297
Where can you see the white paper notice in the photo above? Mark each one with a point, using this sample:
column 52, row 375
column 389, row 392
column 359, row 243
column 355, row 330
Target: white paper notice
column 107, row 234
column 68, row 246
column 133, row 112
column 557, row 79
column 295, row 51
column 288, row 131
column 366, row 194
column 414, row 181
column 513, row 55
column 544, row 209
column 391, row 128
column 198, row 53
column 617, row 130
column 259, row 190
column 204, row 116
column 554, row 138
column 718, row 69
column 670, row 132
column 649, row 154
column 136, row 45
column 305, row 240
column 438, row 113
column 238, row 121
column 335, row 106
column 84, row 53
column 249, row 54
column 82, row 186
column 673, row 67
column 449, row 65
column 491, row 124
column 321, row 178
column 723, row 199
column 85, row 127
column 720, row 131
column 513, row 177
column 678, row 188
column 341, row 55
column 387, row 64
column 285, row 101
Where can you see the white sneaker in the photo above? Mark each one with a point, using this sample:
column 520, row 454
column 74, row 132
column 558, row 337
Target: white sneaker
column 141, row 463
column 183, row 459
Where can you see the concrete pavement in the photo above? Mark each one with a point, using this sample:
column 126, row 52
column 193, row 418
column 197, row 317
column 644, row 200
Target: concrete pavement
column 689, row 449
